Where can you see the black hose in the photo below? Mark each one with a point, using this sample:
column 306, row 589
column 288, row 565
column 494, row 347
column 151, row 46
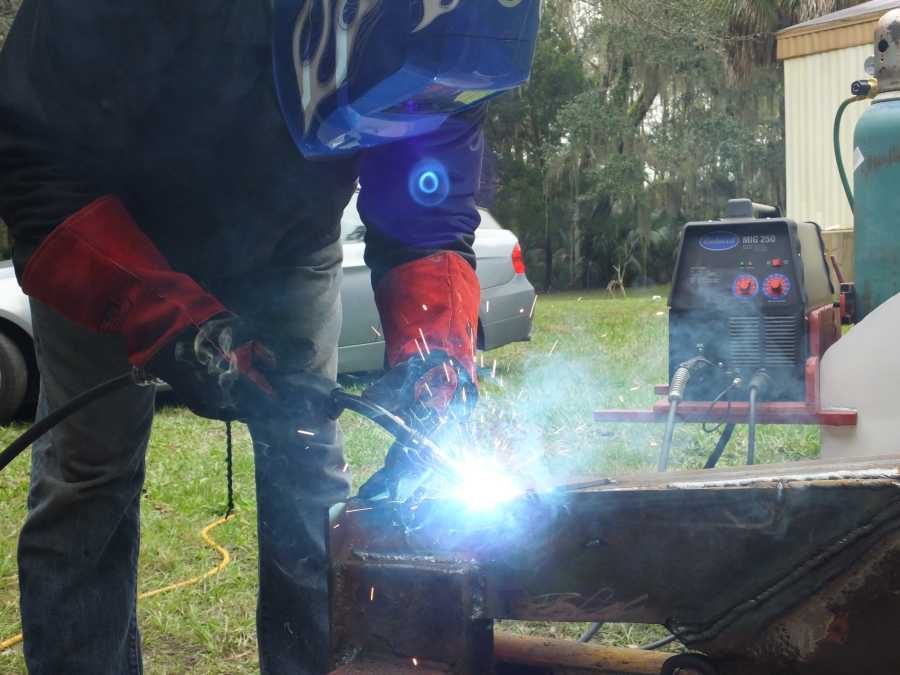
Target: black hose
column 18, row 446
column 666, row 449
column 724, row 439
column 396, row 427
column 590, row 633
column 759, row 385
column 751, row 433
column 659, row 644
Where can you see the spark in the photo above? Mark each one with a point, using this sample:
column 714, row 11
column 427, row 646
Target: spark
column 660, row 314
column 425, row 342
column 425, row 308
column 420, row 349
column 580, row 299
column 346, row 467
column 522, row 311
column 533, row 306
column 482, row 359
column 465, row 398
column 376, row 331
column 446, row 371
column 303, row 432
column 360, row 510
column 415, row 662
column 428, row 389
column 487, row 309
column 372, row 594
column 337, row 526
column 494, row 370
column 553, row 348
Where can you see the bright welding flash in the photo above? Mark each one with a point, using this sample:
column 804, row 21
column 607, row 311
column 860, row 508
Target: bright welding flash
column 483, row 485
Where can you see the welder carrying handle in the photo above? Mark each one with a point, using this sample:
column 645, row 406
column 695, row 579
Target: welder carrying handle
column 337, row 401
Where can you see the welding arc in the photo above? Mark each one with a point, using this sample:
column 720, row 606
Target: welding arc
column 18, row 446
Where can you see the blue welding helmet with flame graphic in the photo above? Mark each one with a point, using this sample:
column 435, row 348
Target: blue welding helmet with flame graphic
column 354, row 74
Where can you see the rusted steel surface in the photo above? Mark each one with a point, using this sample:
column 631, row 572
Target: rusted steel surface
column 558, row 654
column 720, row 557
column 849, row 626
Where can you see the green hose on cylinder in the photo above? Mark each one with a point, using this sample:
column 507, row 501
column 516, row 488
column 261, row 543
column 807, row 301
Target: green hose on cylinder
column 838, row 155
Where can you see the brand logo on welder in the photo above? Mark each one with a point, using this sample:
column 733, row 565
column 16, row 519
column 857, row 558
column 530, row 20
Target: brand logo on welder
column 719, row 241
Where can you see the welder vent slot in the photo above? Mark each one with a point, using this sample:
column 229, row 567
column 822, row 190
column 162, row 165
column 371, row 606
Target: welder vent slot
column 782, row 340
column 745, row 341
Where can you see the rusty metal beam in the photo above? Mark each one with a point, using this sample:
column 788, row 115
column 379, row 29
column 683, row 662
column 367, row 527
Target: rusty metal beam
column 719, row 557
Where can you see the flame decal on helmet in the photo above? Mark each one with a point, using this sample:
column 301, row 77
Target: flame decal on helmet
column 434, row 9
column 312, row 90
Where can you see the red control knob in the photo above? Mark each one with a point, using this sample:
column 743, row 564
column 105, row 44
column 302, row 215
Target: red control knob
column 746, row 286
column 777, row 287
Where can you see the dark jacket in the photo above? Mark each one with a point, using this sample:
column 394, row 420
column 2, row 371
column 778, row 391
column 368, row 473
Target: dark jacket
column 171, row 106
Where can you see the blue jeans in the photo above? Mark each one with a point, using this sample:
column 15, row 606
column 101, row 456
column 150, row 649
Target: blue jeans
column 78, row 550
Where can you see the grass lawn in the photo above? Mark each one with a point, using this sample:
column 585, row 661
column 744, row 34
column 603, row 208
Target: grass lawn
column 589, row 351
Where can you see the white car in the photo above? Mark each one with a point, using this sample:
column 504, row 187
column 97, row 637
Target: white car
column 506, row 310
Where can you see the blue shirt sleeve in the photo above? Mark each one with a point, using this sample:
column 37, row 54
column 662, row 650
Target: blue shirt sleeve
column 417, row 196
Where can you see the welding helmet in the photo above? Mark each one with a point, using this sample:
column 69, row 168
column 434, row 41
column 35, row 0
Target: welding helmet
column 354, row 74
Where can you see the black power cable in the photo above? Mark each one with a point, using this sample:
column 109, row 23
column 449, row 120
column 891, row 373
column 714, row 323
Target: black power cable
column 18, row 446
column 724, row 439
column 229, row 469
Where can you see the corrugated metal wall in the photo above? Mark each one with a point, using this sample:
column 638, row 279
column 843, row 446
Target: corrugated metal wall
column 814, row 88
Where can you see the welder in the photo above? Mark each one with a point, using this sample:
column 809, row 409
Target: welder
column 175, row 206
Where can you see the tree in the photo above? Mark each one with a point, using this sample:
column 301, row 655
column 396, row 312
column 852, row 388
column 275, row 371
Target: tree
column 641, row 115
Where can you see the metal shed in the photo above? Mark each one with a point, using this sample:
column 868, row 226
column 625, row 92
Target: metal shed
column 821, row 58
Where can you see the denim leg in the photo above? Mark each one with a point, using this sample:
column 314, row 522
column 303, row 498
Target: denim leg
column 298, row 476
column 78, row 550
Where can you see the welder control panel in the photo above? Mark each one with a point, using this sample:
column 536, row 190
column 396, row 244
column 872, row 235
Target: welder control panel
column 756, row 263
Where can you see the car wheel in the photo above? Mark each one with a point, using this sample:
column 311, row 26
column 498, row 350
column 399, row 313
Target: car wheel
column 13, row 379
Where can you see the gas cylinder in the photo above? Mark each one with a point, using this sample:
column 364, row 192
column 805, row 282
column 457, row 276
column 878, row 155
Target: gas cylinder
column 877, row 177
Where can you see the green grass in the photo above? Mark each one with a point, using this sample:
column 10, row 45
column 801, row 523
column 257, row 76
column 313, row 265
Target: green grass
column 589, row 351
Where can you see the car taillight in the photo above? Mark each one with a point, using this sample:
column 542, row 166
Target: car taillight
column 518, row 260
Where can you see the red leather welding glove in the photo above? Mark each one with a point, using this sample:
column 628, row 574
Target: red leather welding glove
column 429, row 312
column 99, row 270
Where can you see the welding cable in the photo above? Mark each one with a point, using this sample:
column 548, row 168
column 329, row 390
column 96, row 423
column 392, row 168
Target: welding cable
column 677, row 388
column 724, row 440
column 590, row 633
column 18, row 446
column 409, row 438
column 838, row 155
column 735, row 383
column 758, row 386
column 666, row 449
column 659, row 644
column 206, row 536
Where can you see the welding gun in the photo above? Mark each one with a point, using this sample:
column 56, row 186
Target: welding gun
column 317, row 397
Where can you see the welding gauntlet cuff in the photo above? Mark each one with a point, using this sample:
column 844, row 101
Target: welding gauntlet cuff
column 429, row 312
column 99, row 270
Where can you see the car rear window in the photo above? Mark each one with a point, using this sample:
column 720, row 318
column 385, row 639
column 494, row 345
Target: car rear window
column 487, row 221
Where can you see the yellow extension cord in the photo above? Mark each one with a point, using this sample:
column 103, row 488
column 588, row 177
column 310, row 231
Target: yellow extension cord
column 218, row 569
